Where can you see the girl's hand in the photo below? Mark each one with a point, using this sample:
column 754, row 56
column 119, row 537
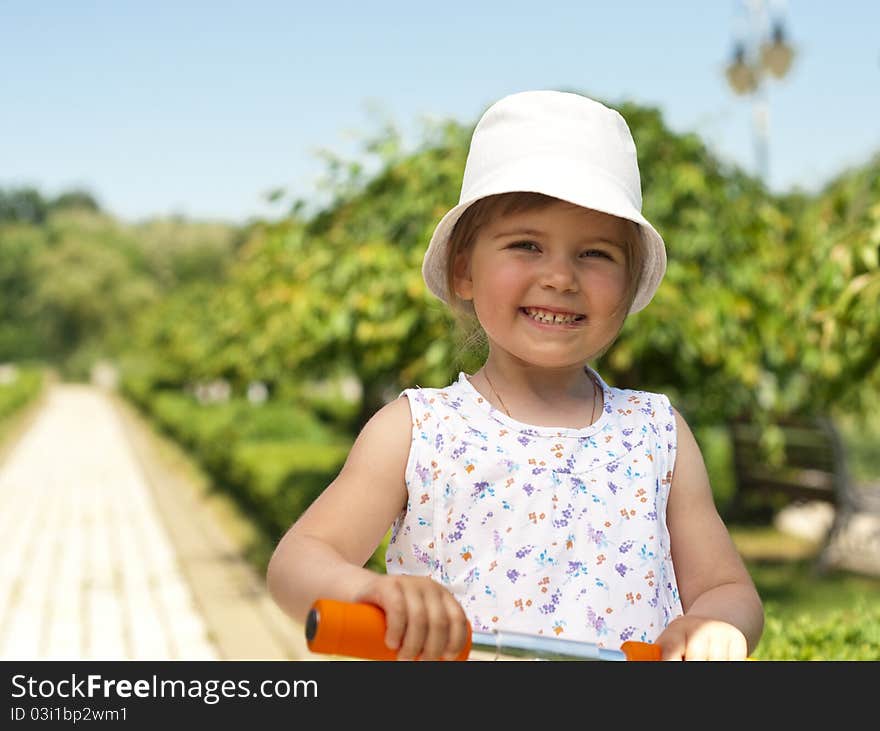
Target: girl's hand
column 701, row 638
column 423, row 619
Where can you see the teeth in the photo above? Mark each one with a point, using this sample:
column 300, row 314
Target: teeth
column 548, row 317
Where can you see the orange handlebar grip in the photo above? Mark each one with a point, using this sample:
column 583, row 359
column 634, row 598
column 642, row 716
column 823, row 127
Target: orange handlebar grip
column 641, row 651
column 644, row 651
column 352, row 630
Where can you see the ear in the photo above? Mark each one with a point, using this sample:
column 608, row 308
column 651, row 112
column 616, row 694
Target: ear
column 461, row 276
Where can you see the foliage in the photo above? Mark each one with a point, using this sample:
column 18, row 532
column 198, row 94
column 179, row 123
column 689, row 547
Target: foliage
column 839, row 292
column 86, row 287
column 282, row 478
column 19, row 386
column 768, row 305
column 852, row 634
column 339, row 294
column 22, row 332
column 175, row 252
column 29, row 206
column 73, row 279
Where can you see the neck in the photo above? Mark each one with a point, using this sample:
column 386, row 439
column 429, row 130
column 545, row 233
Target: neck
column 572, row 394
column 539, row 385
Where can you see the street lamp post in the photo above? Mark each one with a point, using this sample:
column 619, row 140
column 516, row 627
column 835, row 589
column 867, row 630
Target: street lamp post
column 754, row 59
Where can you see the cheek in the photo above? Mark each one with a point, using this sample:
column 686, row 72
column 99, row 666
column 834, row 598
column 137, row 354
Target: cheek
column 506, row 279
column 607, row 289
column 497, row 281
column 497, row 291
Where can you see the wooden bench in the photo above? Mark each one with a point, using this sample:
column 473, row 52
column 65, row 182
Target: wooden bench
column 800, row 460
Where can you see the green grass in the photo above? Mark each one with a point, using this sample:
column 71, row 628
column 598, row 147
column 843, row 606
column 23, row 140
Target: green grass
column 809, row 616
column 792, row 589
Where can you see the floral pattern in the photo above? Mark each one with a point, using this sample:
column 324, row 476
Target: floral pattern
column 547, row 530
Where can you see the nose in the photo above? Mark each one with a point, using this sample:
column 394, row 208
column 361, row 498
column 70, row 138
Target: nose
column 558, row 273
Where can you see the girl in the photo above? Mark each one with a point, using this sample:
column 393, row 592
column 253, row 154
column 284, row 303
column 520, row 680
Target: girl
column 532, row 496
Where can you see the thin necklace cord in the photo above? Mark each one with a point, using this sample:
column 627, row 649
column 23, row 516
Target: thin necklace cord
column 507, row 411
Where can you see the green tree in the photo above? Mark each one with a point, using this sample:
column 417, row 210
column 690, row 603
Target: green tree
column 22, row 205
column 79, row 199
column 86, row 287
column 21, row 332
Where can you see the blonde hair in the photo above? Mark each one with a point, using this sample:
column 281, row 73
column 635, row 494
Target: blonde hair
column 470, row 335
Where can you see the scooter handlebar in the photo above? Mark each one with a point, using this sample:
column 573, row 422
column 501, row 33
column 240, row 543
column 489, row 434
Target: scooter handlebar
column 358, row 630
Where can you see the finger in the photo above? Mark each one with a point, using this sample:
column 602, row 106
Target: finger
column 738, row 647
column 697, row 647
column 393, row 603
column 437, row 634
column 459, row 629
column 416, row 625
column 672, row 647
column 718, row 647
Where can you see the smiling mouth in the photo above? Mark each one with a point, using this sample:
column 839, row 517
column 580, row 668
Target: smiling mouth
column 547, row 318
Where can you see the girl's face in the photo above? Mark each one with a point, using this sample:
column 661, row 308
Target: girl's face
column 563, row 258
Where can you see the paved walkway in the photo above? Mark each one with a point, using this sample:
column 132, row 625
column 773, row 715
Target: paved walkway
column 108, row 554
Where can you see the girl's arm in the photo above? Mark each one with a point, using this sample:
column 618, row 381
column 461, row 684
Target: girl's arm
column 723, row 616
column 322, row 555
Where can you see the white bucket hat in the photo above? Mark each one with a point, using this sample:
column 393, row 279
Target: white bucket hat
column 563, row 145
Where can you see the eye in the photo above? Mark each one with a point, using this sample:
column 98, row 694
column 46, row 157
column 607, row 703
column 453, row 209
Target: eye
column 521, row 244
column 598, row 253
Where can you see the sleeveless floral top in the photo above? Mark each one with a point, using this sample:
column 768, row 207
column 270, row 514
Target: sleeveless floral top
column 546, row 530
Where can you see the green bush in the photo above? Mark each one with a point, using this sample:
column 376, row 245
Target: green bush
column 281, row 479
column 22, row 390
column 274, row 421
column 209, row 431
column 842, row 635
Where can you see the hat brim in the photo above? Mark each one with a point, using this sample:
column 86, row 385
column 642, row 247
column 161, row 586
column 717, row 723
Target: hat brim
column 564, row 180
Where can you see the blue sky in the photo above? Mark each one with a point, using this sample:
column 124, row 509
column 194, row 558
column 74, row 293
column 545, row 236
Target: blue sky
column 199, row 109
